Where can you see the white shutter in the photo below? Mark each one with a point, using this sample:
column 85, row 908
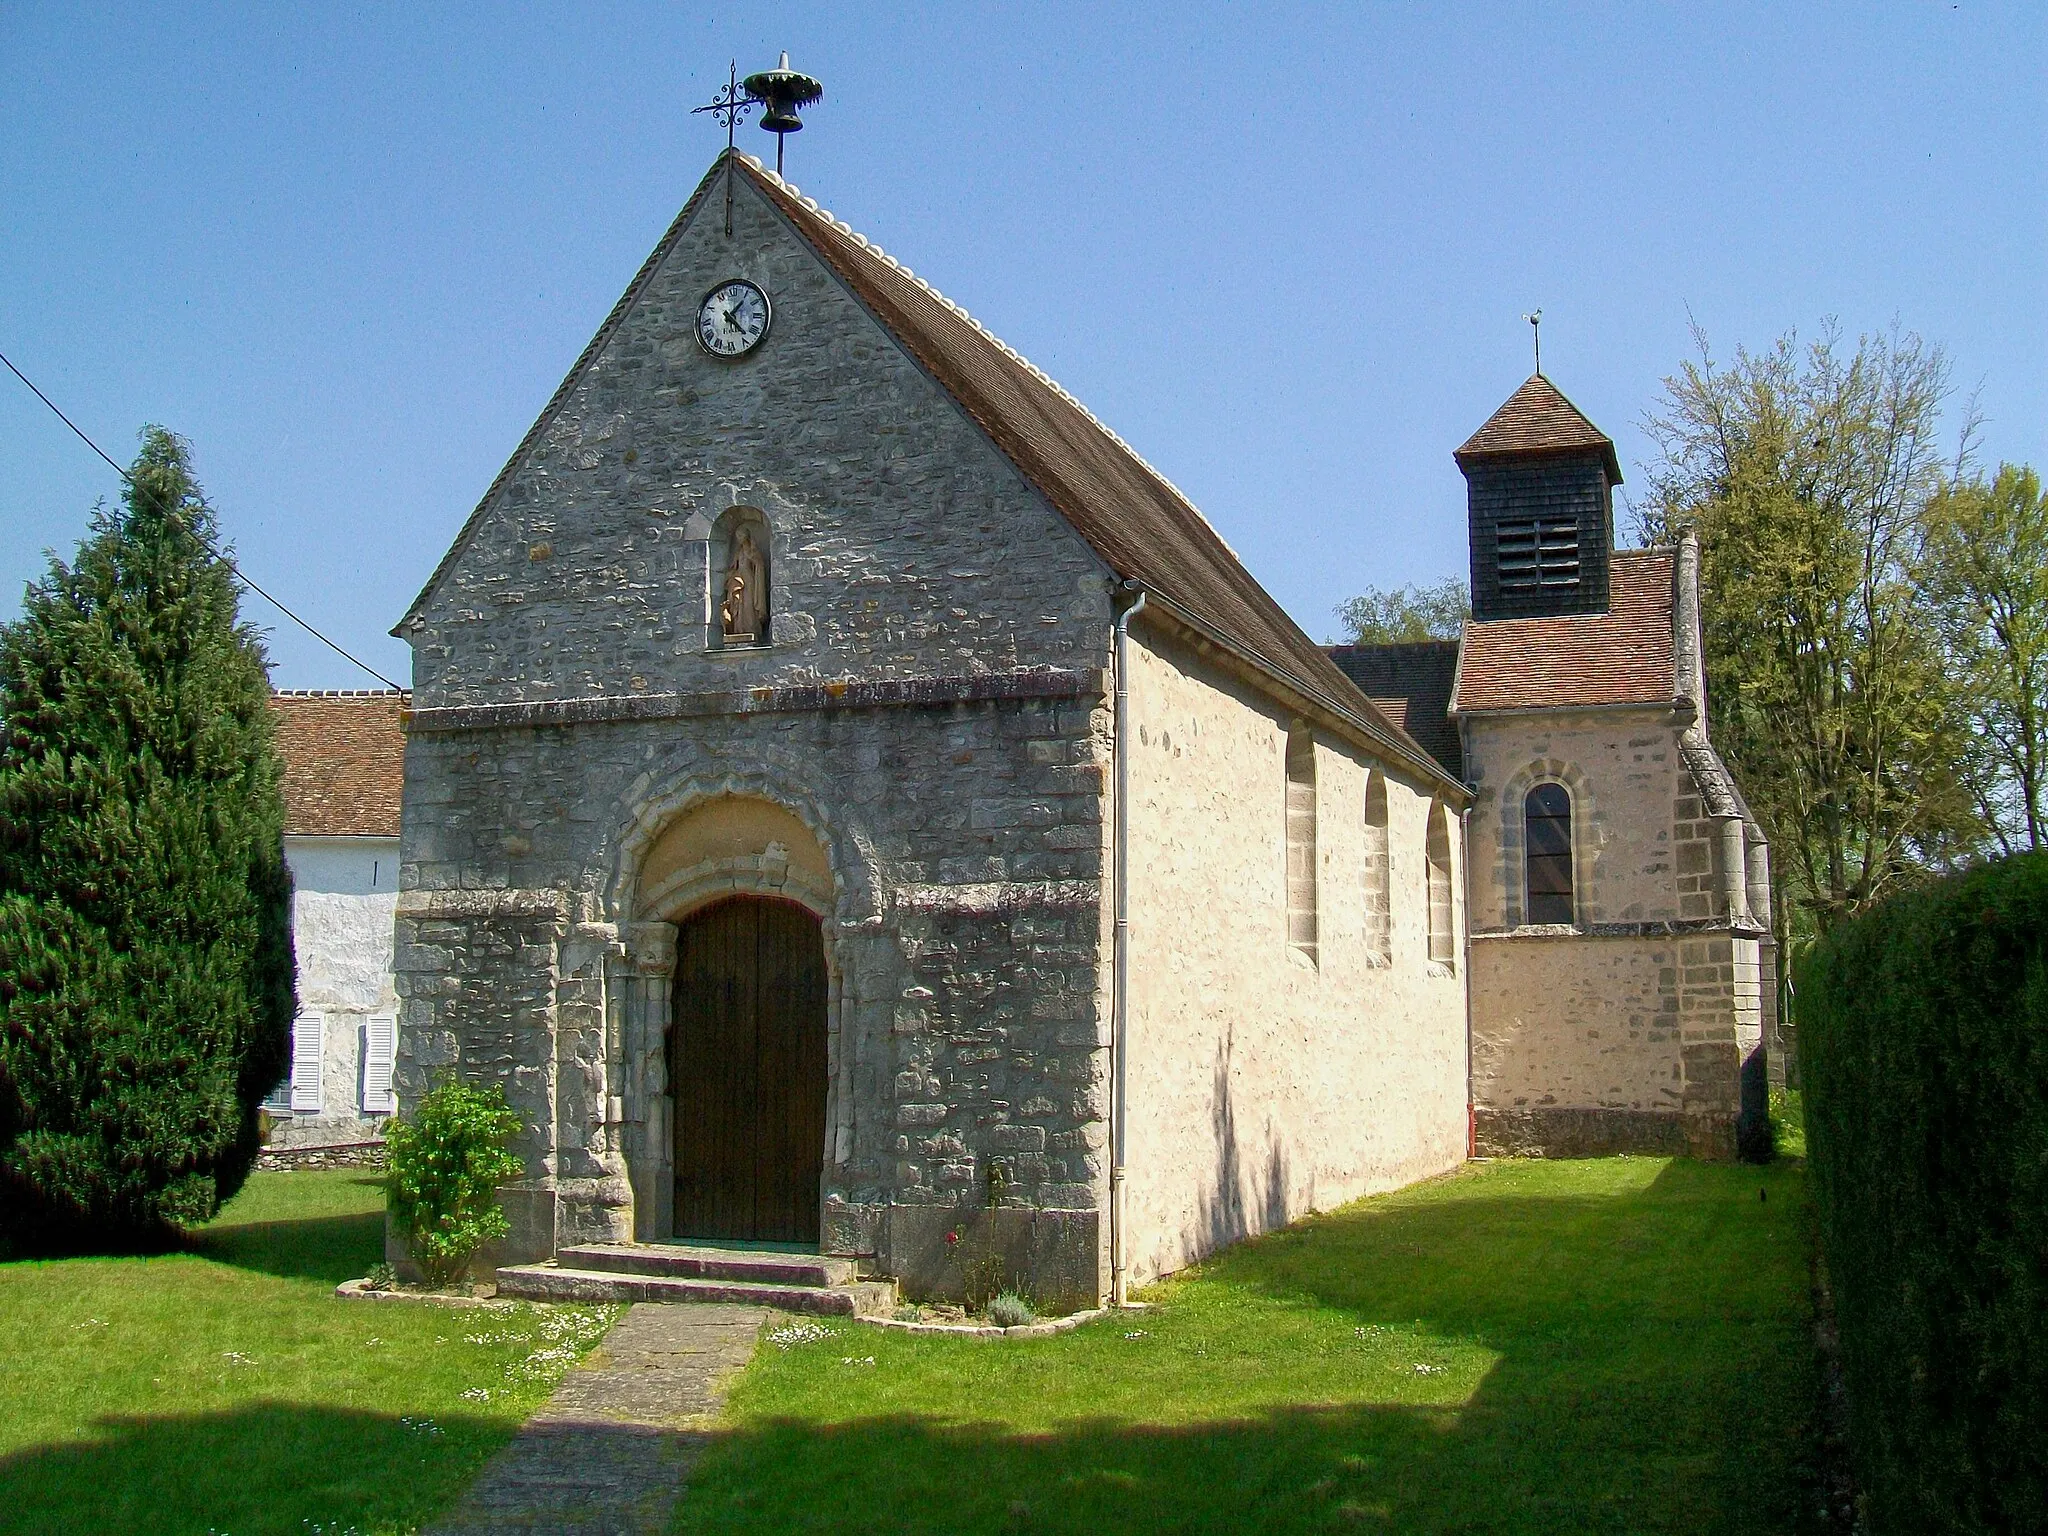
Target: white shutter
column 308, row 1031
column 380, row 1053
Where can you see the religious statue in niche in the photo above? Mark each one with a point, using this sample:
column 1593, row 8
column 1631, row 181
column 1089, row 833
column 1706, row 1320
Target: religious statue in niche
column 744, row 612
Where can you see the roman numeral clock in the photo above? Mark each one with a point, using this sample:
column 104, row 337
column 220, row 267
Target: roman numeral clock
column 733, row 318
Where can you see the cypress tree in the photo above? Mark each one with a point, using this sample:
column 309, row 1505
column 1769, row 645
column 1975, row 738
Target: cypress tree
column 146, row 975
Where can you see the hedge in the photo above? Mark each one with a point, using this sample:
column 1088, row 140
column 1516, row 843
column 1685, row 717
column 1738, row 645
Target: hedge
column 1923, row 1037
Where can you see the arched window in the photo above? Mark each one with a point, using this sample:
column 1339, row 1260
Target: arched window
column 741, row 591
column 1301, row 840
column 1547, row 854
column 1442, row 934
column 1378, row 884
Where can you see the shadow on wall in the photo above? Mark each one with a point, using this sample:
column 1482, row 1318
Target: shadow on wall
column 264, row 1467
column 1241, row 1202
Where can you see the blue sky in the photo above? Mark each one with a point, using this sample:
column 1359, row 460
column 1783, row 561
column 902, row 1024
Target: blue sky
column 350, row 251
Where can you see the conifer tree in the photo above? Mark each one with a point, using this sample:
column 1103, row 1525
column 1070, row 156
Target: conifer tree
column 146, row 977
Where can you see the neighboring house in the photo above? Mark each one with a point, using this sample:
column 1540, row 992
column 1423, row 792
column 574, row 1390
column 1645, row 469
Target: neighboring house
column 763, row 823
column 344, row 757
column 1623, row 972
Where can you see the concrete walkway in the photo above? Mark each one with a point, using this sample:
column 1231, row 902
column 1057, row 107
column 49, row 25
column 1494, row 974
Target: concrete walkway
column 607, row 1454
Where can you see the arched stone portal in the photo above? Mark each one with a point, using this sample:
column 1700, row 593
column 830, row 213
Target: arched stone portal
column 733, row 936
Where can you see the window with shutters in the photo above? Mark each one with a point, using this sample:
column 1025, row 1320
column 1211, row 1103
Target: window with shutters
column 1378, row 877
column 1301, row 840
column 308, row 1031
column 380, row 1057
column 1547, row 854
column 1442, row 916
column 1536, row 553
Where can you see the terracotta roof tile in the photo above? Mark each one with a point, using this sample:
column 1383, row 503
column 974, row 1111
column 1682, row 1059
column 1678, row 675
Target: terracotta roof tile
column 1131, row 515
column 1622, row 656
column 1411, row 683
column 1538, row 419
column 344, row 762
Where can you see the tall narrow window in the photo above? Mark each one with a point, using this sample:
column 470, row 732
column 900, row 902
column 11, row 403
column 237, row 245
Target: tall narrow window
column 1442, row 948
column 1301, row 840
column 1378, row 884
column 1547, row 854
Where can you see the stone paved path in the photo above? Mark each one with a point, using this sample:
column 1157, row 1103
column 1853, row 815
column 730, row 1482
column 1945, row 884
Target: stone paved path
column 607, row 1454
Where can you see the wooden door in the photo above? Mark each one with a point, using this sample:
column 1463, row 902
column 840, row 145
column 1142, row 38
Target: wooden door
column 747, row 1069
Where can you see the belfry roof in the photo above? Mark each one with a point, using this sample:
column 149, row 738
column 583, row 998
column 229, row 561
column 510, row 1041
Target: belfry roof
column 1538, row 419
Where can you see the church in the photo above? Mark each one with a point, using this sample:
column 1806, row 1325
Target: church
column 858, row 808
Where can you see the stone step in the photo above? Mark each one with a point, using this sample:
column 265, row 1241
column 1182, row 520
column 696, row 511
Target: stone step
column 554, row 1282
column 703, row 1261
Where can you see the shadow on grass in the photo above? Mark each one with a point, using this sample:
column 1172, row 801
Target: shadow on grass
column 266, row 1467
column 1653, row 1374
column 327, row 1248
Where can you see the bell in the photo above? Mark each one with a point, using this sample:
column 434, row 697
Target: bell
column 781, row 91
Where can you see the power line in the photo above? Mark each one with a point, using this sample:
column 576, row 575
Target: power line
column 218, row 554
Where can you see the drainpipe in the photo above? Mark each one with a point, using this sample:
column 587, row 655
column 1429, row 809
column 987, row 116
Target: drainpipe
column 1465, row 879
column 1120, row 982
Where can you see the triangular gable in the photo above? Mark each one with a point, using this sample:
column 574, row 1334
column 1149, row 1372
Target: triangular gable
column 1128, row 513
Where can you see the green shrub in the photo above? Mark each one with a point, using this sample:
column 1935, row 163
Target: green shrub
column 1010, row 1310
column 445, row 1163
column 145, row 947
column 1923, row 1041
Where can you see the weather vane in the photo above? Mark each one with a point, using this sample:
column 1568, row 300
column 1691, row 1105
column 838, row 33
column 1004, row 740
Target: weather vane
column 1535, row 320
column 781, row 91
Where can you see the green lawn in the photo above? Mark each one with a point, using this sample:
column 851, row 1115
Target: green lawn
column 226, row 1390
column 1617, row 1345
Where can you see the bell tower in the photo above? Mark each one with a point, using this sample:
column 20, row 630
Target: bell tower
column 1539, row 488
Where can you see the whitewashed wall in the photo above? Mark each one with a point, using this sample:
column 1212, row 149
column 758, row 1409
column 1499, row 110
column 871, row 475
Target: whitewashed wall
column 1263, row 1084
column 344, row 902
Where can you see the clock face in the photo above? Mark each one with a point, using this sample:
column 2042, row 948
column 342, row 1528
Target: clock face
column 732, row 319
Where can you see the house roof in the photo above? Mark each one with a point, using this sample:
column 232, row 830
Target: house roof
column 1579, row 660
column 1538, row 419
column 344, row 761
column 1411, row 683
column 1134, row 519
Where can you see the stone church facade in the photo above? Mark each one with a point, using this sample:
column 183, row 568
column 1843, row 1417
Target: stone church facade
column 852, row 800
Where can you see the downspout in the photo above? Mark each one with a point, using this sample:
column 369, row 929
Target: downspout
column 1465, row 879
column 1120, row 982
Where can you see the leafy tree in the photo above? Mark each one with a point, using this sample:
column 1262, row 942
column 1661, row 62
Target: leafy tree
column 1985, row 567
column 146, row 978
column 1406, row 614
column 1807, row 472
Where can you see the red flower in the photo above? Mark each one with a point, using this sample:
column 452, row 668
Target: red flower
column 952, row 1238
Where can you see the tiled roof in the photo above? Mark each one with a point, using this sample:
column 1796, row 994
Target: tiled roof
column 1538, row 419
column 1129, row 513
column 1622, row 656
column 1411, row 683
column 1133, row 517
column 344, row 762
